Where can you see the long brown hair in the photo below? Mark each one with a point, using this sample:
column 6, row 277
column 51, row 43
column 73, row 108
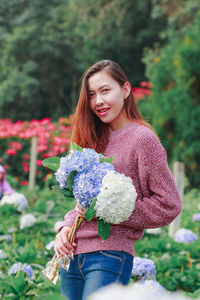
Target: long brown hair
column 87, row 128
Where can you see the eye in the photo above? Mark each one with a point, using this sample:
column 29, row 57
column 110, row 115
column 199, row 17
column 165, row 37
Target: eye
column 91, row 95
column 105, row 90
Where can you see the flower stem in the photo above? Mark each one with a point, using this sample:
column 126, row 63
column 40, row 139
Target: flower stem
column 71, row 234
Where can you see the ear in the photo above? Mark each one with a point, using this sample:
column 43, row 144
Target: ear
column 127, row 89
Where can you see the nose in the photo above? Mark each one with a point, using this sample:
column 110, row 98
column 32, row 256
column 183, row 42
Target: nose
column 99, row 99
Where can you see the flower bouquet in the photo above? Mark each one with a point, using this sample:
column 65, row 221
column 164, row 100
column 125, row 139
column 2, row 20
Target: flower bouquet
column 90, row 178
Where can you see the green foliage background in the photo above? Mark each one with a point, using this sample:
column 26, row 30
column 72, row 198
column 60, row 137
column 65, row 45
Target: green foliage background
column 177, row 264
column 174, row 108
column 45, row 46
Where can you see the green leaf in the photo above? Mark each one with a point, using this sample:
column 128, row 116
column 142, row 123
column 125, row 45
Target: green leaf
column 65, row 192
column 70, row 198
column 74, row 146
column 90, row 213
column 70, row 180
column 20, row 282
column 8, row 287
column 52, row 297
column 52, row 163
column 107, row 159
column 194, row 295
column 103, row 229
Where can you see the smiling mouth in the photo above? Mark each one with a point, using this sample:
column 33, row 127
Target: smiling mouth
column 103, row 110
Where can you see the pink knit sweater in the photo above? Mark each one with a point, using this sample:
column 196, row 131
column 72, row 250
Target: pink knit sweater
column 139, row 155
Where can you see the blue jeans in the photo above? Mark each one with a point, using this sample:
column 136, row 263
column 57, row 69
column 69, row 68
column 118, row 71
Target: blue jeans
column 90, row 271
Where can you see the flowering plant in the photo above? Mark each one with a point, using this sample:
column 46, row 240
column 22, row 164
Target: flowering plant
column 184, row 235
column 16, row 199
column 90, row 178
column 144, row 268
column 19, row 266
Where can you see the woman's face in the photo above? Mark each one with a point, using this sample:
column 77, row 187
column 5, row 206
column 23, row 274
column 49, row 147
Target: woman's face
column 107, row 99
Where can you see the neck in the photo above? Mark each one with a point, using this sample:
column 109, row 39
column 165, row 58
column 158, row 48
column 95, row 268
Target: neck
column 123, row 121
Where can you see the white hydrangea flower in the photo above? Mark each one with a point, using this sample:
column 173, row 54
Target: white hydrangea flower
column 136, row 291
column 116, row 200
column 16, row 199
column 156, row 231
column 50, row 245
column 27, row 220
column 2, row 254
column 57, row 225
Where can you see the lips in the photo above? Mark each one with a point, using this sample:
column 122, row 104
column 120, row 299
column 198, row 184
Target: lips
column 102, row 110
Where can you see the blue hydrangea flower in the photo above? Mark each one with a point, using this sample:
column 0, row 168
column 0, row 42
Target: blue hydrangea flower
column 184, row 236
column 88, row 185
column 26, row 268
column 144, row 268
column 63, row 172
column 81, row 161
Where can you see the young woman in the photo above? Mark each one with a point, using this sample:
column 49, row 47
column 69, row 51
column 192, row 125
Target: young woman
column 5, row 188
column 107, row 119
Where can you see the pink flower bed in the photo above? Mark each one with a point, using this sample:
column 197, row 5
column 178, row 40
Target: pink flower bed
column 15, row 142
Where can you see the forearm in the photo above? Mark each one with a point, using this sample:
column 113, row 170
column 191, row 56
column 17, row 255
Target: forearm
column 154, row 212
column 160, row 202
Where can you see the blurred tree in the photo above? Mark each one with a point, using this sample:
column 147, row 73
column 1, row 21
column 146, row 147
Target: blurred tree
column 36, row 60
column 46, row 46
column 174, row 107
column 117, row 30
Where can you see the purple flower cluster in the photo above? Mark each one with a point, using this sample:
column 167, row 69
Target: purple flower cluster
column 6, row 237
column 87, row 185
column 184, row 236
column 144, row 268
column 80, row 161
column 196, row 217
column 24, row 267
column 90, row 172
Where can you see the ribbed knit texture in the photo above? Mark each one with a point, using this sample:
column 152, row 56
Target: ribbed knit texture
column 139, row 155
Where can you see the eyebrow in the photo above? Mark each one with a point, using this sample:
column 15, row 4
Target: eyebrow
column 104, row 85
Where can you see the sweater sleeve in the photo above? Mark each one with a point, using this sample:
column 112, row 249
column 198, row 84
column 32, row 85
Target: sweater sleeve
column 161, row 202
column 69, row 219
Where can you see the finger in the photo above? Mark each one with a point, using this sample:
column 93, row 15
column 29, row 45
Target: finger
column 63, row 246
column 61, row 249
column 57, row 253
column 66, row 243
column 63, row 253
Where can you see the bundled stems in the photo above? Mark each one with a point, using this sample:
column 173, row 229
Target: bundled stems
column 55, row 261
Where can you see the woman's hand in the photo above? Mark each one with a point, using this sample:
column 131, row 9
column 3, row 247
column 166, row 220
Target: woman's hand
column 62, row 245
column 80, row 211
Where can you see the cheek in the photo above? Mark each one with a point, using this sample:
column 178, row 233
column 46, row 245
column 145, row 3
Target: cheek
column 92, row 105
